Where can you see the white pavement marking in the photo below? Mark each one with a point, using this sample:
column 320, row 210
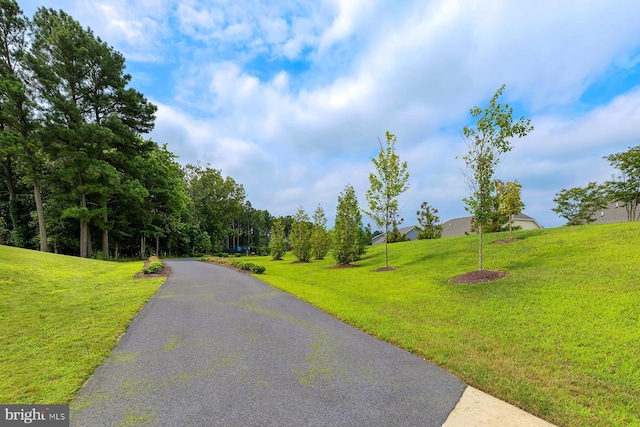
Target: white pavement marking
column 478, row 409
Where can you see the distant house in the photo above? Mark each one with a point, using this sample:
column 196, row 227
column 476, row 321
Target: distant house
column 410, row 233
column 614, row 212
column 462, row 226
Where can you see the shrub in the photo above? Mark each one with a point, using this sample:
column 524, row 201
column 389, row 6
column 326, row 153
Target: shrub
column 248, row 266
column 154, row 266
column 257, row 269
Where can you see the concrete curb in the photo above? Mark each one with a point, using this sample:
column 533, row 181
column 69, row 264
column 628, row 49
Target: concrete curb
column 478, row 409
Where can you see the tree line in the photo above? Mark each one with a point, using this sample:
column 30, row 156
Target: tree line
column 77, row 174
column 579, row 205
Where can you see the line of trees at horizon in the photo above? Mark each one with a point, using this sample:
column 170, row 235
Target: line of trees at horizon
column 77, row 175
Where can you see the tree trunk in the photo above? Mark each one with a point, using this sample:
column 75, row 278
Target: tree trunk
column 158, row 246
column 142, row 247
column 16, row 233
column 510, row 227
column 386, row 246
column 42, row 226
column 84, row 230
column 105, row 235
column 480, row 248
column 90, row 251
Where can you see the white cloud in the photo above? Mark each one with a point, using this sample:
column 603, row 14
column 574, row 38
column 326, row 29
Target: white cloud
column 295, row 136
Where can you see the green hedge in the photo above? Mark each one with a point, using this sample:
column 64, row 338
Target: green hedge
column 249, row 266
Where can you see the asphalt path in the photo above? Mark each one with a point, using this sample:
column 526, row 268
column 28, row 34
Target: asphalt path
column 219, row 348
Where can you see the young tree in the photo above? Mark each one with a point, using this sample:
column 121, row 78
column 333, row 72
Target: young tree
column 487, row 141
column 348, row 236
column 277, row 243
column 320, row 238
column 430, row 227
column 389, row 181
column 626, row 188
column 510, row 203
column 300, row 236
column 578, row 205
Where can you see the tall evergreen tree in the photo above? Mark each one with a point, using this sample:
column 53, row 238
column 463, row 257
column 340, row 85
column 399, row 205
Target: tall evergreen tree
column 18, row 143
column 91, row 119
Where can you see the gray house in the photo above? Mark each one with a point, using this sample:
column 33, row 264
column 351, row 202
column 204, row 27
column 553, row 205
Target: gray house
column 410, row 233
column 462, row 226
column 614, row 212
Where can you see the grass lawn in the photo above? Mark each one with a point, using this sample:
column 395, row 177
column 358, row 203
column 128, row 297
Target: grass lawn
column 60, row 317
column 558, row 337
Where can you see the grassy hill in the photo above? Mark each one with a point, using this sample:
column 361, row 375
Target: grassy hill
column 60, row 317
column 558, row 337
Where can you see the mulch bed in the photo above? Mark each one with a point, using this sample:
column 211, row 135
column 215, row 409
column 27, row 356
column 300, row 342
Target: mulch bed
column 479, row 276
column 378, row 270
column 502, row 242
column 165, row 272
column 344, row 266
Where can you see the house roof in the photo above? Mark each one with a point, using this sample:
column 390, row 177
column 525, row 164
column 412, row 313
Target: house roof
column 380, row 238
column 456, row 227
column 461, row 226
column 614, row 212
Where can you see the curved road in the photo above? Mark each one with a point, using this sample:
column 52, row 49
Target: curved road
column 218, row 348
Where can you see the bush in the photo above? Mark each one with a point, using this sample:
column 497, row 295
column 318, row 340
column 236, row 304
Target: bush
column 257, row 269
column 248, row 266
column 154, row 266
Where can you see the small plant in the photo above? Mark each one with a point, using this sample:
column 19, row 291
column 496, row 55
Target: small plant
column 155, row 265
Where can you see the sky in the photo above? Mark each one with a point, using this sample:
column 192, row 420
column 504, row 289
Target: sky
column 291, row 98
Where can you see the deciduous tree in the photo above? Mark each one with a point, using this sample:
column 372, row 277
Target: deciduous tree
column 487, row 141
column 386, row 184
column 578, row 205
column 509, row 201
column 625, row 188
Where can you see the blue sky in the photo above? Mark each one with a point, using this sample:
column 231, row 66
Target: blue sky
column 289, row 98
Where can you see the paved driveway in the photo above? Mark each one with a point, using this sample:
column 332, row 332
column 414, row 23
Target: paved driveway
column 218, row 348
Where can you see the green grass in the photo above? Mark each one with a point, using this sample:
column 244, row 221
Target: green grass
column 60, row 318
column 558, row 337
